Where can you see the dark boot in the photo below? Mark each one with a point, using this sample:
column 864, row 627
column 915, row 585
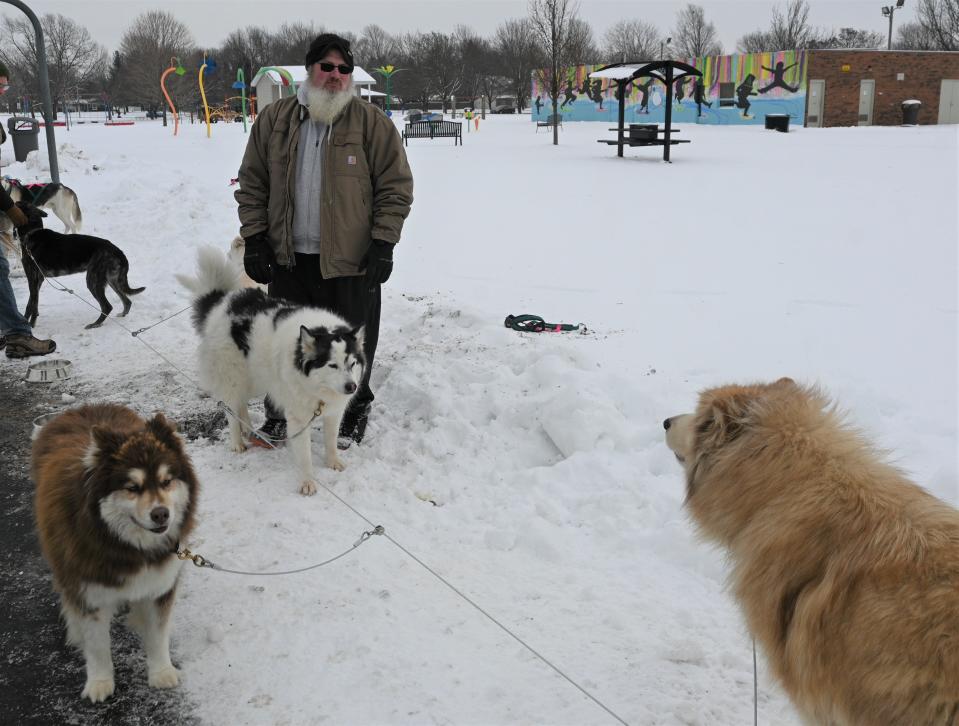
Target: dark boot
column 353, row 426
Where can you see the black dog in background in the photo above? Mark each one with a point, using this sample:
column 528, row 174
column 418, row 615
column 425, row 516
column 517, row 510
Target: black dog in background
column 46, row 253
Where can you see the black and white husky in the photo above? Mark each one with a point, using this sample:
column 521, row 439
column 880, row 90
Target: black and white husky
column 307, row 360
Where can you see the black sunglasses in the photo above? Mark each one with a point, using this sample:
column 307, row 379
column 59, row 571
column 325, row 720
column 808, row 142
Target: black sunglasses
column 343, row 69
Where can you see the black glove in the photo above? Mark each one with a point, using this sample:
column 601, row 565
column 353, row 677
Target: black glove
column 258, row 259
column 379, row 261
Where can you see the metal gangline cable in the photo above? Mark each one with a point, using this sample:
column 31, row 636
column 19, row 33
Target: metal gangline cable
column 377, row 529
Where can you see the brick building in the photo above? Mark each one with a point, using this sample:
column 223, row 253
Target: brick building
column 867, row 87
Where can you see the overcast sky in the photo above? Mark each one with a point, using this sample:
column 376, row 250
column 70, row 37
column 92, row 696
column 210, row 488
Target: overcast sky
column 211, row 20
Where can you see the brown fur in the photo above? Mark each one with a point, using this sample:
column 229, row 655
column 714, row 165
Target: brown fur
column 81, row 459
column 848, row 573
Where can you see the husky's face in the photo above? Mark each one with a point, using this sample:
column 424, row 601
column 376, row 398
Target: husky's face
column 141, row 481
column 332, row 359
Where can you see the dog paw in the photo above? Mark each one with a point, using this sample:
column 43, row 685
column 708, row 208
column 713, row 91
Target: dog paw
column 164, row 678
column 336, row 463
column 92, row 325
column 238, row 447
column 99, row 690
column 308, row 488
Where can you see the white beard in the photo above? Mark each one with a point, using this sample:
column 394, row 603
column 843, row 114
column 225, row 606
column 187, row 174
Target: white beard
column 325, row 105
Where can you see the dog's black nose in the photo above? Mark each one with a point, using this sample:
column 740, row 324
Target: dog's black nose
column 350, row 387
column 667, row 423
column 160, row 516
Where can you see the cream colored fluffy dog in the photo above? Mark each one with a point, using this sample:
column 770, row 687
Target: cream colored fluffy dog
column 848, row 573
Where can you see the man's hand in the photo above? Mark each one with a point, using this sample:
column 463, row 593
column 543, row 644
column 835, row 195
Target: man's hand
column 379, row 262
column 258, row 259
column 17, row 216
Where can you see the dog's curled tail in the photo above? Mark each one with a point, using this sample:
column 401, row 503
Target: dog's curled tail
column 214, row 273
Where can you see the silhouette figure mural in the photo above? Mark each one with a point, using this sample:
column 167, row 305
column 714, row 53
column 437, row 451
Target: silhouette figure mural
column 734, row 89
column 570, row 96
column 743, row 91
column 538, row 103
column 699, row 96
column 778, row 81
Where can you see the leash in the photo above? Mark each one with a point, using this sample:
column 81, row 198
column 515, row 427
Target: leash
column 200, row 561
column 535, row 324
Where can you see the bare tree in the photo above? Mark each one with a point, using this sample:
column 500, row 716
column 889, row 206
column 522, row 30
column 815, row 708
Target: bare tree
column 552, row 23
column 435, row 67
column 693, row 36
column 476, row 56
column 790, row 26
column 940, row 20
column 74, row 59
column 250, row 49
column 292, row 40
column 631, row 40
column 759, row 41
column 913, row 36
column 848, row 38
column 375, row 47
column 582, row 47
column 146, row 50
column 516, row 55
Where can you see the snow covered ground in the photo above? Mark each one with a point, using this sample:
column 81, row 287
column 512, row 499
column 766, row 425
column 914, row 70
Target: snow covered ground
column 529, row 470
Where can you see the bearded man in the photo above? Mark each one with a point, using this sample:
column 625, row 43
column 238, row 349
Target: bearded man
column 324, row 189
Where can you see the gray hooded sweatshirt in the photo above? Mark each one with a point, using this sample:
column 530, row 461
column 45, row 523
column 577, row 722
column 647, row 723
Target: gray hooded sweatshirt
column 309, row 178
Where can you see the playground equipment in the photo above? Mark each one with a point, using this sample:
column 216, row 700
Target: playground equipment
column 388, row 72
column 240, row 84
column 175, row 67
column 208, row 64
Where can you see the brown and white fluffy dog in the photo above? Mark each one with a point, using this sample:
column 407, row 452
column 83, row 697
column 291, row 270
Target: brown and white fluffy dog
column 848, row 573
column 114, row 495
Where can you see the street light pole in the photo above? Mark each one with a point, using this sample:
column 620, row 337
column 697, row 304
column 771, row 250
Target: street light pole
column 889, row 11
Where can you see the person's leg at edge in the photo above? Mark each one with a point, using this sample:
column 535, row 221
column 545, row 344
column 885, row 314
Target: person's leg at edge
column 16, row 335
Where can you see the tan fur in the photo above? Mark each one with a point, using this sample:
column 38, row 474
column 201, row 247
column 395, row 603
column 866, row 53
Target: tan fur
column 848, row 573
column 105, row 455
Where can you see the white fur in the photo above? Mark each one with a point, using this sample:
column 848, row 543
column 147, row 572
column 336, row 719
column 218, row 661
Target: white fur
column 269, row 370
column 90, row 631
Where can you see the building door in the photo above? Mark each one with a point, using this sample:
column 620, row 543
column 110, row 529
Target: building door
column 867, row 91
column 817, row 93
column 949, row 102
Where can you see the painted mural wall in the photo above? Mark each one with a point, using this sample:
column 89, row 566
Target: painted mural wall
column 736, row 89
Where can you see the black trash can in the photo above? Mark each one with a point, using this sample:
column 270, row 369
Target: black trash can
column 910, row 112
column 25, row 133
column 778, row 122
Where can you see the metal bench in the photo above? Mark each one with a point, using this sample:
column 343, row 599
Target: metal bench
column 434, row 130
column 554, row 119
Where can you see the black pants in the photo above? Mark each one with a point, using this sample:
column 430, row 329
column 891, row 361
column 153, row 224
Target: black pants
column 352, row 298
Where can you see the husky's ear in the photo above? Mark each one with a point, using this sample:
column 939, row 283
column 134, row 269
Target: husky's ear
column 307, row 340
column 785, row 382
column 360, row 335
column 165, row 431
column 104, row 443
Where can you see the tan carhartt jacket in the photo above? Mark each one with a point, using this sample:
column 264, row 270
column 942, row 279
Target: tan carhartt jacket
column 367, row 183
